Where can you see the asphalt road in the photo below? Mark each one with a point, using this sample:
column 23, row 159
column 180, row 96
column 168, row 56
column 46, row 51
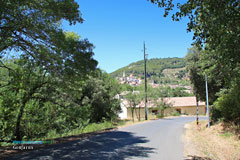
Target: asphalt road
column 154, row 140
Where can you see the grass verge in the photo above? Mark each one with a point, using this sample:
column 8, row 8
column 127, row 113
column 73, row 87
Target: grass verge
column 76, row 134
column 93, row 127
column 214, row 143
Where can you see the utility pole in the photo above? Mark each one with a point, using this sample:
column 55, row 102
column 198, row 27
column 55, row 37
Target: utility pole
column 197, row 108
column 207, row 99
column 145, row 78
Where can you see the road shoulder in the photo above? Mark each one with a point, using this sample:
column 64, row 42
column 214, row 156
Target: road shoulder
column 209, row 143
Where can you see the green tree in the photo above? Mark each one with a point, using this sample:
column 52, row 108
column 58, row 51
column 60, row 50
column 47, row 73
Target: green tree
column 99, row 92
column 134, row 99
column 26, row 25
column 31, row 83
column 47, row 88
column 161, row 106
column 214, row 23
column 216, row 33
column 196, row 74
column 200, row 63
column 228, row 104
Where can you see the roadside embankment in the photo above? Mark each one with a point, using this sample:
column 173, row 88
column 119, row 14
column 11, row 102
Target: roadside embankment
column 214, row 143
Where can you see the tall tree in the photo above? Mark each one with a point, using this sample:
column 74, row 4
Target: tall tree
column 59, row 84
column 26, row 24
column 199, row 63
column 133, row 98
column 99, row 91
column 215, row 23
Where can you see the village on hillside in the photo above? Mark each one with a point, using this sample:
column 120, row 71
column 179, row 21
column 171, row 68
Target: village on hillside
column 131, row 80
column 134, row 81
column 181, row 105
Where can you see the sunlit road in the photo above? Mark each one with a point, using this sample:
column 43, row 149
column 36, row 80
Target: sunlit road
column 154, row 140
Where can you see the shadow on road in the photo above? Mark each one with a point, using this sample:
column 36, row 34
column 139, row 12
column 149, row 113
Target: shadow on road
column 116, row 145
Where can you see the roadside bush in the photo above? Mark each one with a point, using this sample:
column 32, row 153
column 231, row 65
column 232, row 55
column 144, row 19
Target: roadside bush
column 228, row 104
column 176, row 113
column 160, row 115
column 215, row 113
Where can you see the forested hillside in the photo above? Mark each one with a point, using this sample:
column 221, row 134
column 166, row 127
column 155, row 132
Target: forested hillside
column 160, row 70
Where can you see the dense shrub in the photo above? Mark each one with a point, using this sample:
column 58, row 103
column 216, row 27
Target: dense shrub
column 35, row 105
column 228, row 104
column 160, row 116
column 176, row 113
column 215, row 113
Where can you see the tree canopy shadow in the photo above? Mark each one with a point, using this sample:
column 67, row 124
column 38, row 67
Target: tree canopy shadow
column 108, row 145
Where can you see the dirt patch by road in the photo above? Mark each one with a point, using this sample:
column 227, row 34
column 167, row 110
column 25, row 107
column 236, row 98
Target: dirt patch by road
column 201, row 143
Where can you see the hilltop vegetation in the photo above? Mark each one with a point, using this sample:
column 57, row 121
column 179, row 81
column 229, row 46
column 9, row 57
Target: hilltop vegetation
column 159, row 70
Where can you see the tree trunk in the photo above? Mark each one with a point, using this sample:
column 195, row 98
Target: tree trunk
column 132, row 114
column 21, row 111
column 139, row 115
column 19, row 118
column 18, row 124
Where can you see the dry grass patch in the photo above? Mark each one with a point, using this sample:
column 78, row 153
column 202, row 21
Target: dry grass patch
column 210, row 143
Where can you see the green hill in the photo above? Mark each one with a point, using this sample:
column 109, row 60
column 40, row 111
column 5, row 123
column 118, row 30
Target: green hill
column 159, row 70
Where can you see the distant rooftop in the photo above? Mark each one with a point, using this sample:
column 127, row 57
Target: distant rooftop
column 174, row 101
column 183, row 101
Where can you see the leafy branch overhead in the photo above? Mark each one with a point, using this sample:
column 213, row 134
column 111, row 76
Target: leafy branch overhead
column 216, row 29
column 51, row 83
column 215, row 23
column 24, row 24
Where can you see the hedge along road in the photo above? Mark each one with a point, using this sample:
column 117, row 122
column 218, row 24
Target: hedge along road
column 154, row 140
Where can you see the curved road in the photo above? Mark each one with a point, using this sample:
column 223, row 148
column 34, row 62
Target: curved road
column 154, row 140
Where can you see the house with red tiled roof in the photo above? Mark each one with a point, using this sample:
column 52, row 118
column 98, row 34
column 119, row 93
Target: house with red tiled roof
column 186, row 105
column 183, row 105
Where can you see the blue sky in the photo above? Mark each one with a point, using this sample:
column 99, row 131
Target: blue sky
column 117, row 28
